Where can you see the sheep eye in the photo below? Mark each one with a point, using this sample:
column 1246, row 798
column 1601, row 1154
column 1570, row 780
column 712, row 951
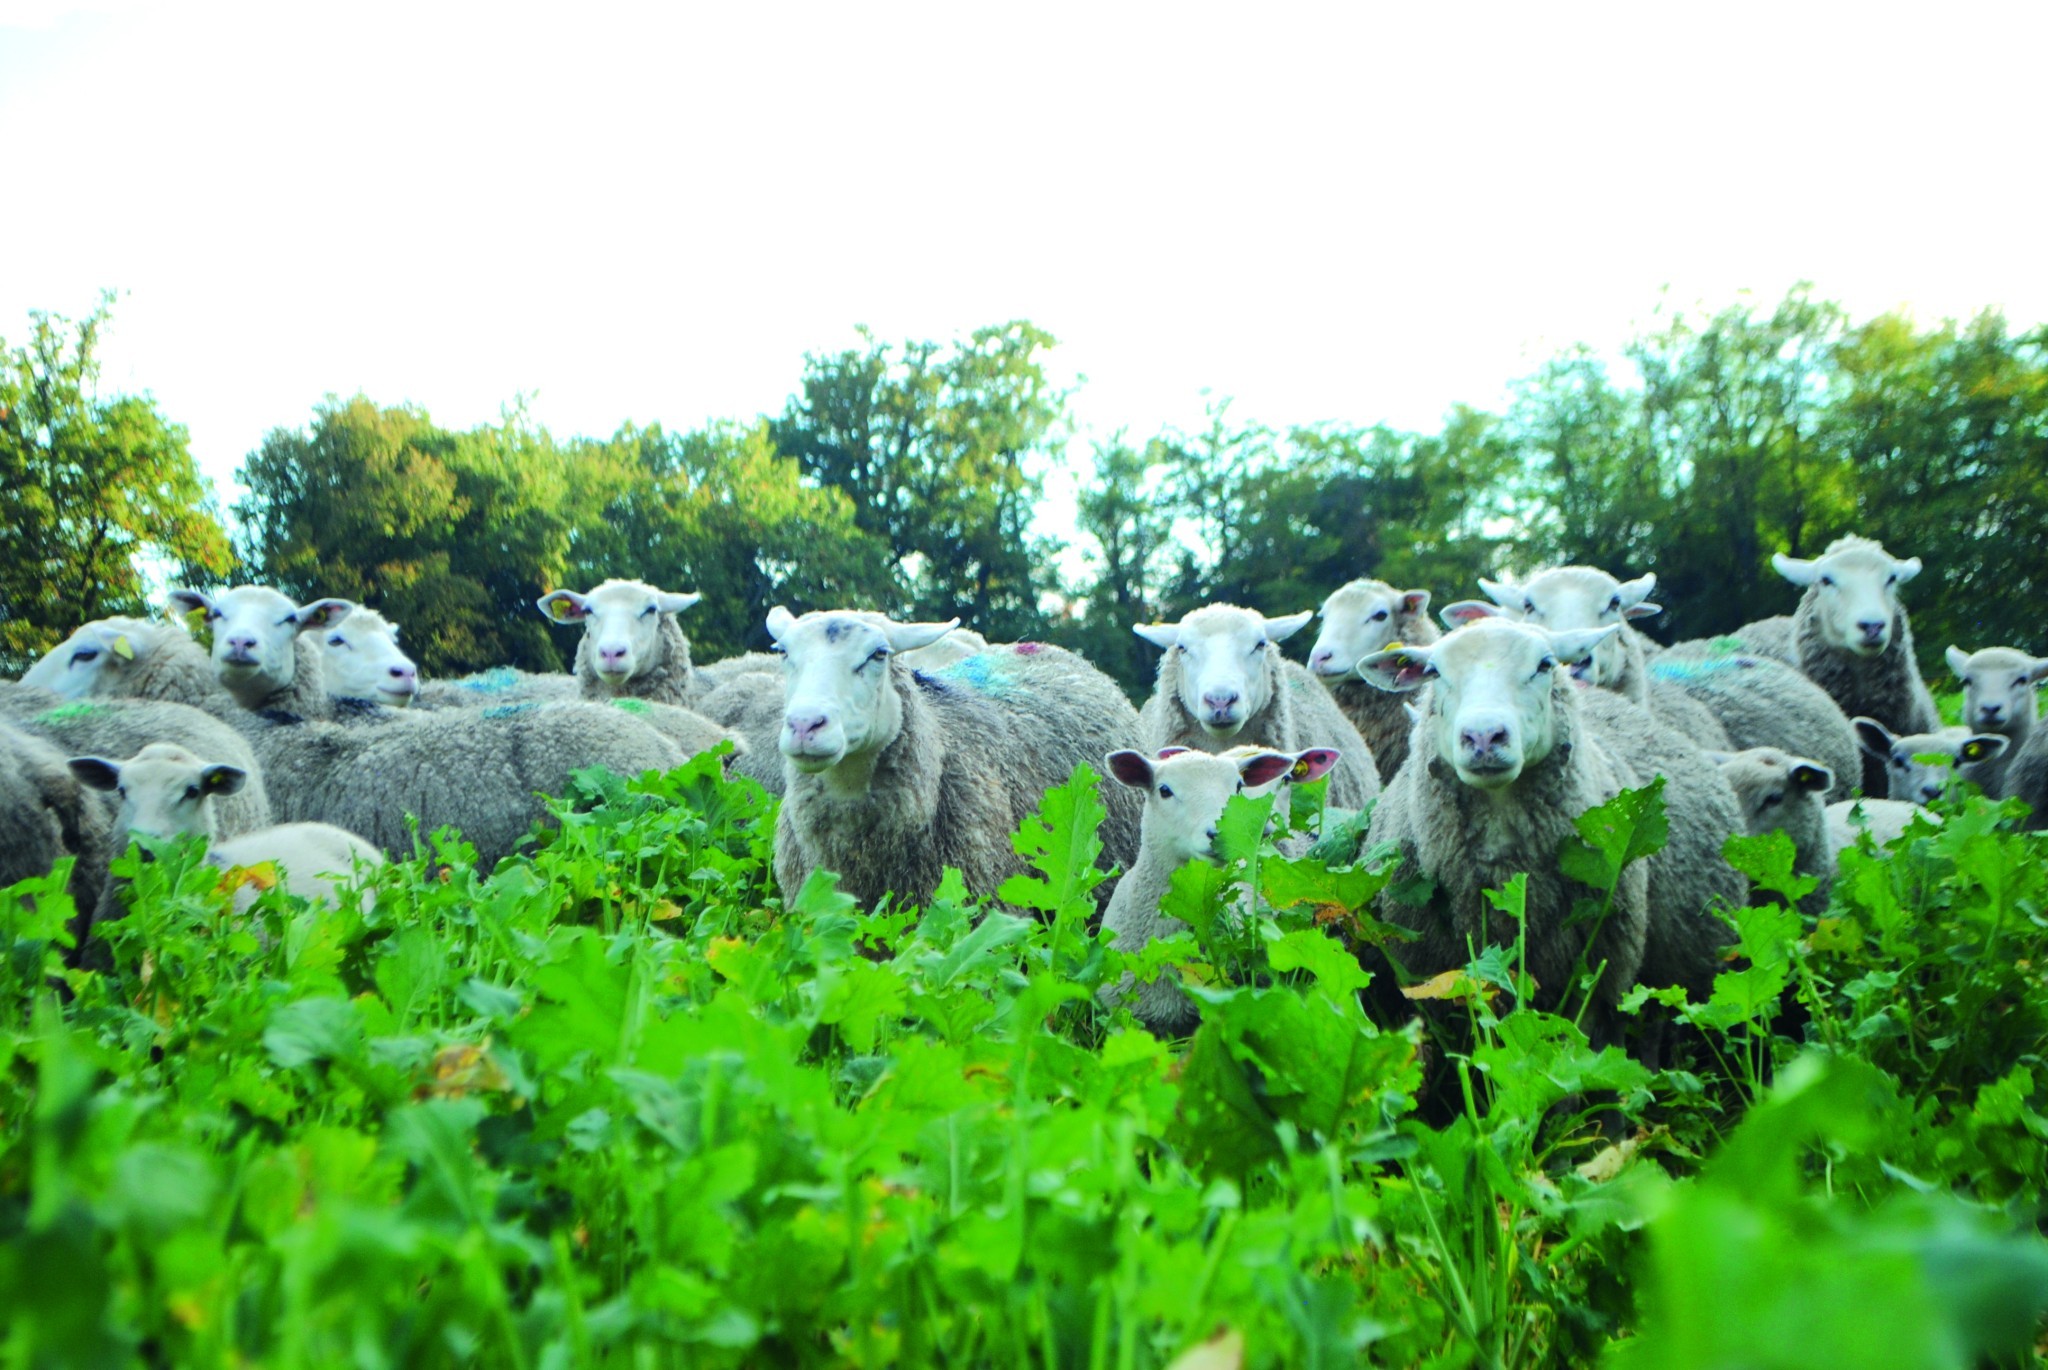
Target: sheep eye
column 1771, row 799
column 1827, row 580
column 1548, row 663
column 1380, row 617
column 1890, row 581
column 191, row 791
column 1967, row 685
column 84, row 654
column 1166, row 791
column 1528, row 606
column 1614, row 605
column 648, row 612
column 337, row 641
column 1900, row 762
column 1240, row 785
column 1259, row 646
column 879, row 654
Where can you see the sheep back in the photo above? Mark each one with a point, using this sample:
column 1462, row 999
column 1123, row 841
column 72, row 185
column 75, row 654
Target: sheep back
column 1762, row 702
column 750, row 706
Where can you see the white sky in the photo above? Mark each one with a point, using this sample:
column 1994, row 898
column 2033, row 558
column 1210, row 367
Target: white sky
column 1327, row 212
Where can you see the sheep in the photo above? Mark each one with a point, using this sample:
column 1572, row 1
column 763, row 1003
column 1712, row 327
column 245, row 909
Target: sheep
column 1851, row 636
column 1222, row 683
column 1185, row 792
column 891, row 775
column 124, row 726
column 1998, row 697
column 954, row 646
column 360, row 659
column 1919, row 781
column 1360, row 618
column 1784, row 793
column 1585, row 597
column 750, row 707
column 263, row 668
column 1763, row 702
column 1885, row 819
column 45, row 815
column 167, row 792
column 2026, row 778
column 131, row 658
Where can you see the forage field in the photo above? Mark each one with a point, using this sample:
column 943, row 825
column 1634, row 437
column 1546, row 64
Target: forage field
column 617, row 1103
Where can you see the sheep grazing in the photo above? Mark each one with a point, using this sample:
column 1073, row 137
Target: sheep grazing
column 1763, row 702
column 1578, row 597
column 892, row 775
column 1998, row 697
column 1851, row 636
column 1223, row 683
column 1361, row 618
column 1920, row 767
column 1185, row 792
column 1779, row 792
column 166, row 792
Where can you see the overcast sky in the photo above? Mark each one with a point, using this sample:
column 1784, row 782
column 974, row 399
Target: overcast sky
column 1327, row 212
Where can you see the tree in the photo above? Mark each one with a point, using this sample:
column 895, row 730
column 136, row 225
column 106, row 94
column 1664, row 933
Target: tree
column 98, row 496
column 1123, row 513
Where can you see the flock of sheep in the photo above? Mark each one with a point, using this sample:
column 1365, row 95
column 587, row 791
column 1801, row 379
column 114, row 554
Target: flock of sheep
column 304, row 735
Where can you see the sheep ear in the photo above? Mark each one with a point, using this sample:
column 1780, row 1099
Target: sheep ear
column 1398, row 669
column 1634, row 592
column 1414, row 601
column 1958, row 659
column 1313, row 764
column 780, row 621
column 323, row 613
column 1874, row 737
column 1984, row 747
column 1263, row 768
column 1643, row 610
column 1907, row 569
column 1469, row 611
column 223, row 779
column 1793, row 569
column 188, row 601
column 96, row 773
column 1131, row 768
column 908, row 637
column 675, row 603
column 1501, row 592
column 1161, row 635
column 564, row 606
column 2037, row 671
column 1280, row 629
column 1812, row 776
column 1579, row 644
column 1165, row 752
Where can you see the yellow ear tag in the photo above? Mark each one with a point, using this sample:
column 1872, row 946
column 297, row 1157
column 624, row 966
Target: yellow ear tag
column 122, row 649
column 1395, row 646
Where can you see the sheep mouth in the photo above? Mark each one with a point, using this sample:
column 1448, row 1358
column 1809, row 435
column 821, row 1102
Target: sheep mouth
column 811, row 762
column 1221, row 724
column 1489, row 775
column 1869, row 647
column 398, row 699
column 1331, row 669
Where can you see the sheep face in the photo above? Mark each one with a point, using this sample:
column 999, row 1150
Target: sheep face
column 1570, row 598
column 1770, row 784
column 1223, row 651
column 1998, row 686
column 164, row 789
column 1922, row 781
column 837, row 698
column 1185, row 791
column 622, row 621
column 1493, row 712
column 254, row 631
column 1359, row 619
column 91, row 660
column 1859, row 585
column 360, row 659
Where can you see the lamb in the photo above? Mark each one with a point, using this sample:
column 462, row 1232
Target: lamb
column 1185, row 792
column 1223, row 683
column 1359, row 619
column 1886, row 821
column 1998, row 697
column 1919, row 781
column 166, row 792
column 1779, row 792
column 893, row 775
column 1762, row 702
column 1851, row 636
column 1570, row 597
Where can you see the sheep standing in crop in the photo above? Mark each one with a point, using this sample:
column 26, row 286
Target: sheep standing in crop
column 893, row 775
column 1185, row 792
column 1778, row 792
column 1851, row 635
column 1361, row 618
column 1223, row 683
column 45, row 815
column 1763, row 702
column 1998, row 697
column 1921, row 766
column 1576, row 597
column 167, row 792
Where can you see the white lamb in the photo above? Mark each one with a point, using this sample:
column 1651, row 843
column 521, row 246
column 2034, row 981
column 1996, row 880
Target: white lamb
column 1922, row 781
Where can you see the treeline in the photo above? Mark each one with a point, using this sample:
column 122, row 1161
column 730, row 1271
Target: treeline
column 907, row 477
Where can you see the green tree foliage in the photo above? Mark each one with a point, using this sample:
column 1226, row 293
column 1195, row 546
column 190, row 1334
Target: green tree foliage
column 95, row 492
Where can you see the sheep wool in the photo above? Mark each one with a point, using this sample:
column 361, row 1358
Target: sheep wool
column 1762, row 702
column 46, row 815
column 1353, row 628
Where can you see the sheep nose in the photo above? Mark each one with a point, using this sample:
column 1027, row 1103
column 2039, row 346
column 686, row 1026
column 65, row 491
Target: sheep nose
column 611, row 656
column 1484, row 741
column 241, row 646
column 1930, row 792
column 802, row 730
column 1871, row 628
column 1216, row 701
column 1321, row 657
column 405, row 675
column 1989, row 712
column 1210, row 834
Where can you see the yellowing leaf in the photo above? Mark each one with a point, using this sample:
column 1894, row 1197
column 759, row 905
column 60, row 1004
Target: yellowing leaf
column 1224, row 1351
column 461, row 1069
column 1452, row 984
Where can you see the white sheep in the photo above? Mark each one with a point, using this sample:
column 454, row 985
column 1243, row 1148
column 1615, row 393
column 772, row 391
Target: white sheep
column 634, row 648
column 360, row 659
column 1920, row 767
column 1185, row 792
column 261, row 651
column 1360, row 618
column 1998, row 697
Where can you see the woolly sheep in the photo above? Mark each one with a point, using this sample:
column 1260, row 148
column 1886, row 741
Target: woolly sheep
column 1918, row 781
column 2026, row 778
column 893, row 775
column 1886, row 821
column 1851, row 636
column 165, row 792
column 1185, row 792
column 750, row 707
column 45, row 815
column 1359, row 619
column 261, row 651
column 1762, row 702
column 1222, row 683
column 1575, row 597
column 1778, row 792
column 1998, row 697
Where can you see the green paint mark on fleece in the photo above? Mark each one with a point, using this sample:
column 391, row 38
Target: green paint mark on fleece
column 64, row 713
column 631, row 706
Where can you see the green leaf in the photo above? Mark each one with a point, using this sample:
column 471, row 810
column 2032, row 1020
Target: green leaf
column 1626, row 828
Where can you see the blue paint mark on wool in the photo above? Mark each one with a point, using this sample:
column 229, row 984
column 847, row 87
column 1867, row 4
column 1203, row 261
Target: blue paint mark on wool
column 496, row 681
column 1702, row 670
column 507, row 710
column 982, row 673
